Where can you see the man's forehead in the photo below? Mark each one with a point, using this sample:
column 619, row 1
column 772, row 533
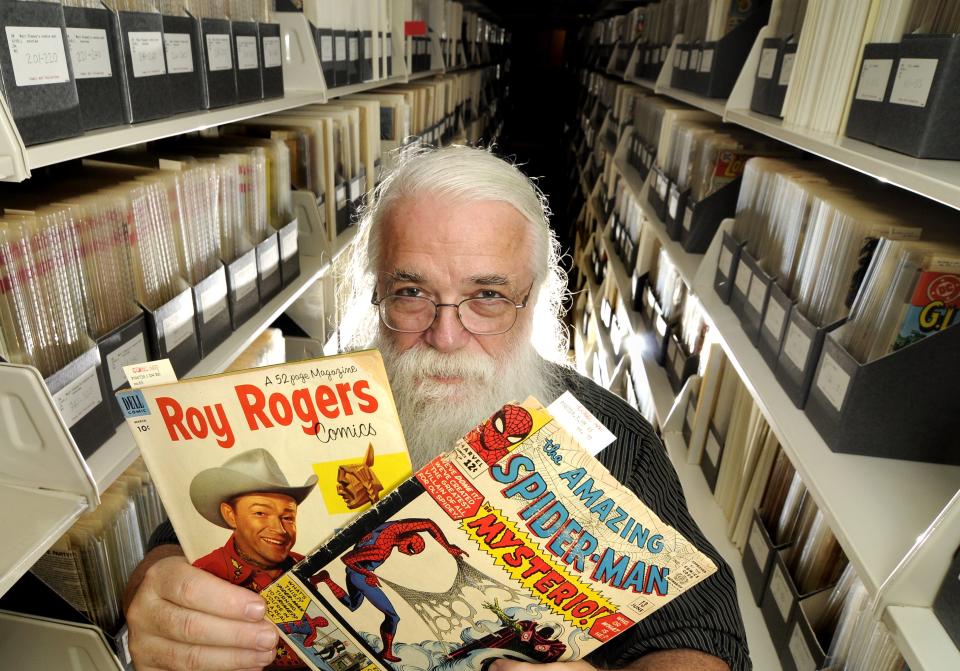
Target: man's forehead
column 266, row 498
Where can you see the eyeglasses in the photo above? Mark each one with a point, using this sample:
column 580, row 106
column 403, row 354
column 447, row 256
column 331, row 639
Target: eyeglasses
column 479, row 316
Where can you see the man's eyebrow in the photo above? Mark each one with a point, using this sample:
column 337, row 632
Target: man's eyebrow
column 490, row 280
column 405, row 276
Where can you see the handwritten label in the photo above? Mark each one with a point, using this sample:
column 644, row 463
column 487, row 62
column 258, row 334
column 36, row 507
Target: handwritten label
column 743, row 278
column 781, row 592
column 913, row 82
column 37, row 55
column 177, row 328
column 79, row 397
column 340, row 47
column 218, row 52
column 758, row 293
column 89, row 53
column 713, row 448
column 326, row 48
column 213, row 299
column 786, row 69
column 706, row 61
column 147, row 54
column 583, row 426
column 768, row 60
column 797, row 346
column 833, row 381
column 353, row 48
column 672, row 201
column 269, row 261
column 179, row 52
column 245, row 279
column 271, row 52
column 726, row 258
column 773, row 320
column 131, row 352
column 874, row 76
column 289, row 242
column 150, row 374
column 247, row 57
column 758, row 545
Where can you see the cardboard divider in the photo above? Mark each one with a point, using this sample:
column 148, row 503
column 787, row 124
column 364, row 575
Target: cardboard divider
column 289, row 239
column 147, row 81
column 342, row 205
column 700, row 220
column 726, row 59
column 758, row 556
column 271, row 60
column 678, row 363
column 751, row 291
column 340, row 64
column 96, row 55
column 123, row 346
column 767, row 76
column 268, row 268
column 658, row 192
column 727, row 264
column 874, row 83
column 901, row 406
column 219, row 64
column 799, row 354
column 311, row 216
column 211, row 308
column 245, row 39
column 803, row 650
column 688, row 416
column 183, row 43
column 80, row 392
column 639, row 285
column 712, row 456
column 946, row 603
column 323, row 39
column 172, row 332
column 353, row 56
column 366, row 55
column 774, row 324
column 243, row 292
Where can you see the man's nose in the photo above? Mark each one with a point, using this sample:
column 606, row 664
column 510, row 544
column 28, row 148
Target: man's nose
column 447, row 333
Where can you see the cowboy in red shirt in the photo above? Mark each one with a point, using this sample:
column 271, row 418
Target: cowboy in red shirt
column 250, row 495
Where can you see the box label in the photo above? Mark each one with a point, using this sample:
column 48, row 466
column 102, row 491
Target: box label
column 179, row 53
column 913, row 82
column 271, row 52
column 684, row 60
column 688, row 219
column 758, row 292
column 289, row 242
column 676, row 58
column 802, row 658
column 706, row 61
column 245, row 279
column 672, row 202
column 177, row 328
column 758, row 545
column 663, row 53
column 874, row 76
column 37, row 55
column 79, row 397
column 326, row 48
column 353, row 48
column 389, row 48
column 341, row 195
column 781, row 592
column 146, row 54
column 355, row 191
column 213, row 299
column 713, row 449
column 218, row 52
column 786, row 69
column 773, row 320
column 569, row 412
column 662, row 185
column 89, row 53
column 726, row 258
column 340, row 47
column 743, row 279
column 695, row 57
column 797, row 346
column 768, row 60
column 149, row 374
column 833, row 381
column 269, row 261
column 247, row 56
column 129, row 353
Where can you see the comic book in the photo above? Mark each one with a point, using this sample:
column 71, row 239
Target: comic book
column 518, row 543
column 308, row 445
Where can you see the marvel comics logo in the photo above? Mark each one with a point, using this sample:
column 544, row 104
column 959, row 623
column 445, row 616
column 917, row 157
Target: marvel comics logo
column 945, row 289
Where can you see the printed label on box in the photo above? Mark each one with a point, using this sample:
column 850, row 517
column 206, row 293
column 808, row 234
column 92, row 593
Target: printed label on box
column 353, row 48
column 177, row 328
column 672, row 201
column 743, row 278
column 247, row 57
column 289, row 242
column 773, row 320
column 355, row 191
column 758, row 291
column 662, row 185
column 341, row 195
column 326, row 48
column 389, row 47
column 146, row 54
column 245, row 279
column 129, row 353
column 726, row 258
column 676, row 58
column 213, row 299
column 687, row 219
column 150, row 373
column 706, row 61
column 781, row 592
column 802, row 658
column 37, row 55
column 573, row 417
column 179, row 53
column 367, row 47
column 786, row 69
column 218, row 52
column 797, row 346
column 913, row 82
column 271, row 52
column 874, row 76
column 695, row 57
column 713, row 448
column 758, row 546
column 768, row 60
column 340, row 45
column 89, row 53
column 79, row 397
column 833, row 381
column 684, row 60
column 269, row 261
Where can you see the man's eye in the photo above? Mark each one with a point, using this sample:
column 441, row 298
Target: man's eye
column 408, row 292
column 489, row 293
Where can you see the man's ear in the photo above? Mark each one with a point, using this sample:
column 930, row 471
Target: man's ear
column 228, row 514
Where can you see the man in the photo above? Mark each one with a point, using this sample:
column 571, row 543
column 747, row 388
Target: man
column 367, row 556
column 457, row 254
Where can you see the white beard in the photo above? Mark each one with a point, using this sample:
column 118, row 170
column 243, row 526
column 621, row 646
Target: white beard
column 435, row 414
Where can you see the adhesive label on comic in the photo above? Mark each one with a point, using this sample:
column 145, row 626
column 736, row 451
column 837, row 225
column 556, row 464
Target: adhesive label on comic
column 518, row 543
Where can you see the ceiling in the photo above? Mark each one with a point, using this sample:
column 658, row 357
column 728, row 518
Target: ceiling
column 514, row 14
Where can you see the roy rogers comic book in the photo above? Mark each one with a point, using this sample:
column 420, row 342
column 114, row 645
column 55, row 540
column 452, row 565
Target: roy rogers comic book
column 518, row 543
column 256, row 467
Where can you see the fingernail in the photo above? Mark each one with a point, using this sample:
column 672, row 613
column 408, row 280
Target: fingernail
column 267, row 640
column 256, row 610
column 265, row 658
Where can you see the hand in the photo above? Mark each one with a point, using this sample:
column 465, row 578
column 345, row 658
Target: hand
column 182, row 617
column 457, row 552
column 373, row 581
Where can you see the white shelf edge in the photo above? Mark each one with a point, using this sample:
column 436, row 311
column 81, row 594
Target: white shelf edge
column 713, row 105
column 708, row 516
column 425, row 73
column 340, row 91
column 921, row 639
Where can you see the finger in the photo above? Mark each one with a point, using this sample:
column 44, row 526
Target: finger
column 178, row 582
column 198, row 628
column 205, row 658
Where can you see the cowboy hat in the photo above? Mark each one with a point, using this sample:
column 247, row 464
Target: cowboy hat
column 251, row 471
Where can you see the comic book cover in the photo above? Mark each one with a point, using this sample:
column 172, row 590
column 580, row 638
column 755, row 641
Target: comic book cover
column 518, row 543
column 933, row 305
column 257, row 467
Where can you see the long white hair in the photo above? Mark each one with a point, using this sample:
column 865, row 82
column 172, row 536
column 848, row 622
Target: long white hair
column 463, row 174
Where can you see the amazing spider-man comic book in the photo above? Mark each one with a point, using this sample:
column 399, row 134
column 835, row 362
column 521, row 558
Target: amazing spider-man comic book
column 518, row 543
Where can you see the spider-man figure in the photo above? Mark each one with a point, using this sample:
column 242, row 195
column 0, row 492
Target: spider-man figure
column 307, row 626
column 367, row 555
column 494, row 438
